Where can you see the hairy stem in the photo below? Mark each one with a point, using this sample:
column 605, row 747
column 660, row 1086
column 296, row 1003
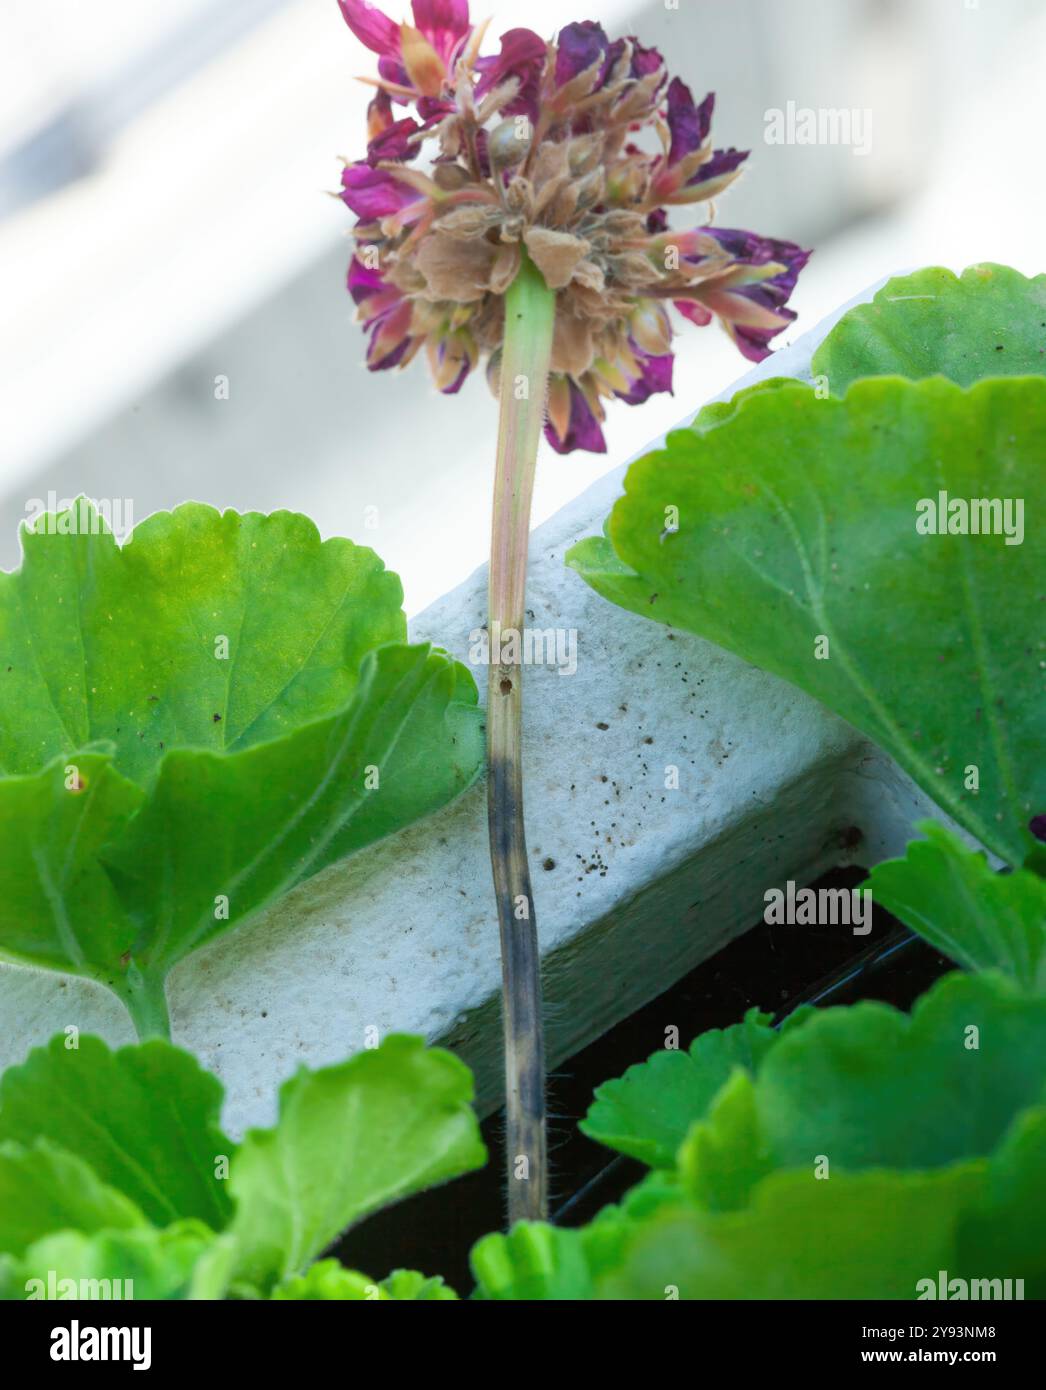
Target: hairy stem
column 529, row 318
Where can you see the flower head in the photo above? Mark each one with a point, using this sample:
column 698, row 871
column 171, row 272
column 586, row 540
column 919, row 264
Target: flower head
column 571, row 153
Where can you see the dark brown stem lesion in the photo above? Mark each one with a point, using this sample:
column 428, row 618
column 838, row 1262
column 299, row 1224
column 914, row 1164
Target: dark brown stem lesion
column 526, row 352
column 527, row 1162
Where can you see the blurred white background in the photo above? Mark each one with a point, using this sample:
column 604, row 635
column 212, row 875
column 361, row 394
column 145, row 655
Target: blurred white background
column 163, row 169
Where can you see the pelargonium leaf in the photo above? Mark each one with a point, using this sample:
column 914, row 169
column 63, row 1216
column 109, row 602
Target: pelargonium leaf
column 44, row 1189
column 409, row 1286
column 538, row 1262
column 797, row 548
column 990, row 321
column 58, row 905
column 349, row 1139
column 805, row 1233
column 980, row 919
column 143, row 1119
column 728, row 1152
column 610, row 1231
column 1004, row 1234
column 719, row 412
column 140, row 1144
column 125, row 643
column 647, row 1112
column 194, row 722
column 243, row 829
column 870, row 1087
column 329, row 1281
column 535, row 1262
column 859, row 1235
column 142, row 1263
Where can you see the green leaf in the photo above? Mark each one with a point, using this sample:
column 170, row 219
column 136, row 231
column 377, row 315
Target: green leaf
column 1004, row 1234
column 867, row 1086
column 407, row 1285
column 212, row 1271
column 727, row 1153
column 140, row 1141
column 147, row 1263
column 143, row 1119
column 44, row 1189
column 195, row 722
column 866, row 1235
column 307, row 799
column 122, row 643
column 978, row 918
column 328, row 1281
column 797, row 523
column 878, row 1234
column 647, row 1112
column 540, row 1262
column 990, row 321
column 606, row 1237
column 719, row 412
column 349, row 1139
column 58, row 907
column 534, row 1262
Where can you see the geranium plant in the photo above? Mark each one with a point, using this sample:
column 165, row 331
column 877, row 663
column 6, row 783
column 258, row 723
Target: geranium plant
column 513, row 213
column 846, row 1153
column 194, row 722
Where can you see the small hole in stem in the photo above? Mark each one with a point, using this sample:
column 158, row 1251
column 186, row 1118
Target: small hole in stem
column 506, row 686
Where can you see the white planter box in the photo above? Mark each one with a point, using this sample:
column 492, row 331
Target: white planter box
column 634, row 884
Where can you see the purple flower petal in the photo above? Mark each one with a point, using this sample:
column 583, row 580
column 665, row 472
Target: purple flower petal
column 579, row 46
column 394, row 142
column 459, row 381
column 1037, row 826
column 445, row 23
column 644, row 60
column 363, row 282
column 613, row 54
column 722, row 162
column 433, row 109
column 583, row 431
column 390, row 339
column 522, row 56
column 748, row 248
column 378, row 299
column 378, row 363
column 754, row 343
column 379, row 33
column 696, row 313
column 770, row 295
column 655, row 376
column 688, row 124
column 392, row 70
column 373, row 193
column 451, row 358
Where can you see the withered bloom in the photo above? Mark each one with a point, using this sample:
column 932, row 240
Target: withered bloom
column 575, row 150
column 513, row 211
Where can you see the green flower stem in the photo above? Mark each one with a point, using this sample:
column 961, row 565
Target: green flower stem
column 530, row 308
column 145, row 997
